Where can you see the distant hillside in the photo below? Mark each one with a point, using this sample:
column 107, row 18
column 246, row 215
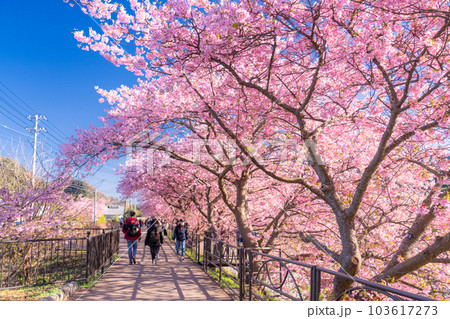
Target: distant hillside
column 79, row 187
column 12, row 174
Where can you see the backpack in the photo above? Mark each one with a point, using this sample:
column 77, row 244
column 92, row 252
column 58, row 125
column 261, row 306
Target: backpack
column 132, row 229
column 154, row 236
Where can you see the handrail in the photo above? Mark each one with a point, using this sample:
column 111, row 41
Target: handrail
column 299, row 263
column 39, row 240
column 375, row 285
column 244, row 258
column 244, row 261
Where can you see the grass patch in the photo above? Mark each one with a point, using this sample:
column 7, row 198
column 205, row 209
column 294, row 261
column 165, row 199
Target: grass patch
column 34, row 293
column 44, row 270
column 85, row 284
column 265, row 295
column 30, row 293
column 193, row 256
column 225, row 279
column 88, row 283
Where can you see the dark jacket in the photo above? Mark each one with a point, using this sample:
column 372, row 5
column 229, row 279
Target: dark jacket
column 161, row 237
column 180, row 233
column 128, row 221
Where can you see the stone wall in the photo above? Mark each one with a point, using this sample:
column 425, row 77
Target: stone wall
column 63, row 293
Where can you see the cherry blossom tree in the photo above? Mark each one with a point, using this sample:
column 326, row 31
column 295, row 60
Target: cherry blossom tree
column 42, row 212
column 363, row 85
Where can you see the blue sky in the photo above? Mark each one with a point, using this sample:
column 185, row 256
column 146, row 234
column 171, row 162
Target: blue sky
column 40, row 62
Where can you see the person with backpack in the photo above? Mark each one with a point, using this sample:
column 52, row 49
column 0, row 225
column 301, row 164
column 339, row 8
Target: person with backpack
column 180, row 235
column 132, row 231
column 154, row 239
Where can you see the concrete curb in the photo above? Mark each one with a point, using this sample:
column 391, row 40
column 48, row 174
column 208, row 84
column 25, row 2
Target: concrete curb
column 64, row 293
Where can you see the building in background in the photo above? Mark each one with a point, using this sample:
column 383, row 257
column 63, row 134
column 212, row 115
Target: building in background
column 113, row 212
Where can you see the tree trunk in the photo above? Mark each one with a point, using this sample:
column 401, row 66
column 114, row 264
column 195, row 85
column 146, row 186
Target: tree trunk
column 241, row 213
column 350, row 258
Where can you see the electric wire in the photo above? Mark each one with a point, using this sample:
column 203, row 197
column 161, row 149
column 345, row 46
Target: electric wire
column 11, row 119
column 11, row 129
column 19, row 115
column 59, row 132
column 23, row 123
column 52, row 139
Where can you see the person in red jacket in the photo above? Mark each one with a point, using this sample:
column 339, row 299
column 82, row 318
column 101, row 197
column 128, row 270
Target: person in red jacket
column 132, row 231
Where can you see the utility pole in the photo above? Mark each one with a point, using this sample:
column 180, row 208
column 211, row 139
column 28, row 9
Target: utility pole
column 95, row 206
column 36, row 131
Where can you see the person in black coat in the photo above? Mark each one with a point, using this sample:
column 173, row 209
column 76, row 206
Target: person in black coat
column 154, row 239
column 180, row 235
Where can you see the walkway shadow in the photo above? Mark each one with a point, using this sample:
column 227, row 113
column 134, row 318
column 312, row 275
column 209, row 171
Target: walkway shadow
column 170, row 280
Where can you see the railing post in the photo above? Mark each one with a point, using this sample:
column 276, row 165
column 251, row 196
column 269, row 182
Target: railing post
column 241, row 273
column 87, row 254
column 315, row 284
column 111, row 245
column 103, row 251
column 205, row 253
column 198, row 248
column 250, row 274
column 220, row 260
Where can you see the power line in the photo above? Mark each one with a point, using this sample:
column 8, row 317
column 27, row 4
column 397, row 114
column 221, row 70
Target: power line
column 15, row 120
column 22, row 123
column 8, row 136
column 30, row 109
column 19, row 135
column 19, row 124
column 11, row 129
column 11, row 119
column 52, row 140
column 56, row 141
column 12, row 107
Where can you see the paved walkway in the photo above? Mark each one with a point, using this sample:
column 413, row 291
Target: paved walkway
column 170, row 280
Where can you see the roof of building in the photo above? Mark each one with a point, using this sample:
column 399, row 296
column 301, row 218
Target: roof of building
column 113, row 210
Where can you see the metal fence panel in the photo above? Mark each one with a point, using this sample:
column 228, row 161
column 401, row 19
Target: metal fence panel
column 35, row 262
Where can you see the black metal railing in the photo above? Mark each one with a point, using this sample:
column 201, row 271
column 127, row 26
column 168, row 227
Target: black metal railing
column 44, row 261
column 254, row 274
column 227, row 263
column 194, row 247
column 301, row 281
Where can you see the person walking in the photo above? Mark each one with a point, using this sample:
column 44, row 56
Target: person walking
column 154, row 239
column 165, row 226
column 180, row 235
column 148, row 222
column 132, row 231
